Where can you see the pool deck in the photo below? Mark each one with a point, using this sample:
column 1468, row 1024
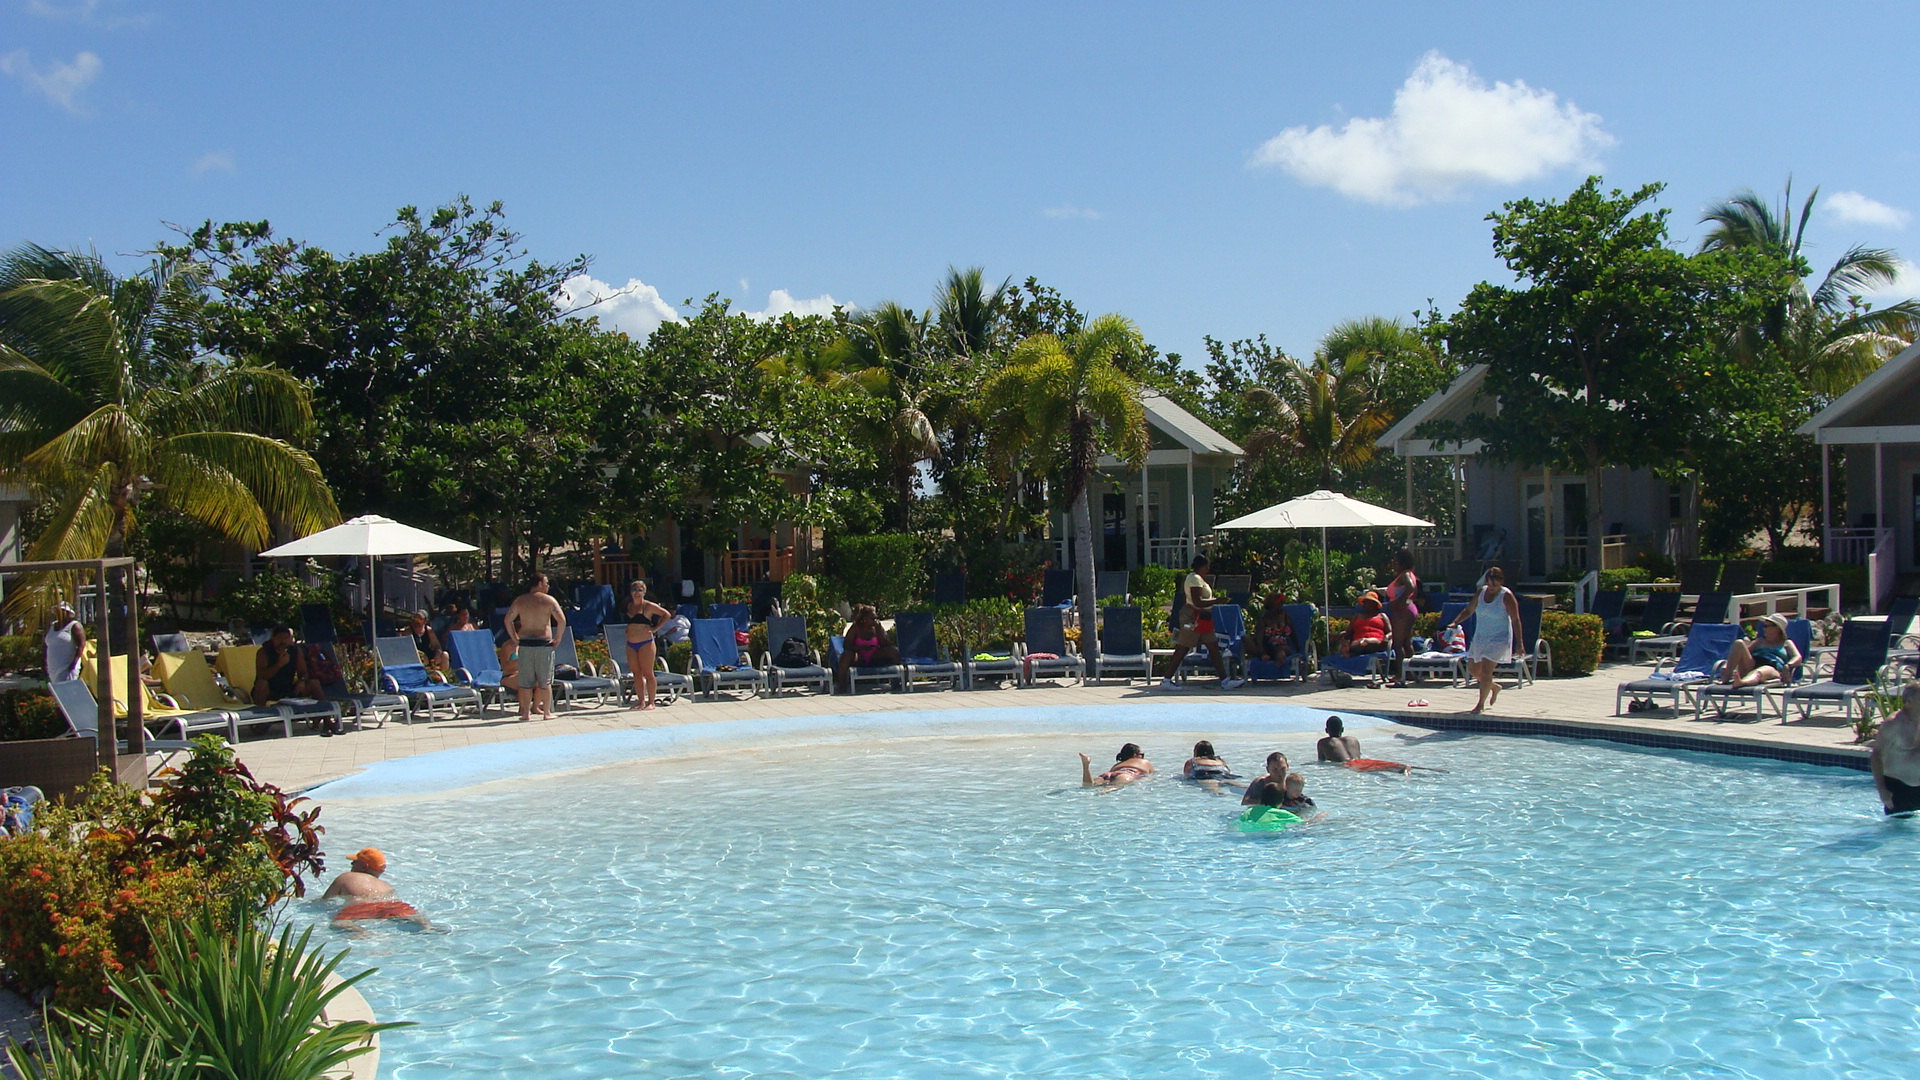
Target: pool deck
column 1581, row 707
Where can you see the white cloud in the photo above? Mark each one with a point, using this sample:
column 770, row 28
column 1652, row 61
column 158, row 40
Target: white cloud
column 213, row 161
column 634, row 309
column 59, row 83
column 781, row 302
column 1856, row 209
column 1448, row 130
column 85, row 12
column 1068, row 210
column 1906, row 286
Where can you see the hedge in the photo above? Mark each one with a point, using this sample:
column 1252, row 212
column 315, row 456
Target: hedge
column 883, row 570
column 1576, row 641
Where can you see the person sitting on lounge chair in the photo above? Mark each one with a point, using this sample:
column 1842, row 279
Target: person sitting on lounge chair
column 1273, row 637
column 280, row 670
column 1767, row 659
column 1369, row 632
column 1896, row 756
column 426, row 642
column 459, row 618
column 867, row 644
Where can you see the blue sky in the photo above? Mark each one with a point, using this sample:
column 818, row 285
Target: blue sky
column 1205, row 169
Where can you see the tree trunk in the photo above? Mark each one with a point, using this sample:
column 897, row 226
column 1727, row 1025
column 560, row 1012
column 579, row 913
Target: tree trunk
column 1083, row 572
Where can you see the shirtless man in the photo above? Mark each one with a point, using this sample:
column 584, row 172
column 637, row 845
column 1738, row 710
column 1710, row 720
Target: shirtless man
column 367, row 896
column 1338, row 746
column 535, row 620
column 1277, row 767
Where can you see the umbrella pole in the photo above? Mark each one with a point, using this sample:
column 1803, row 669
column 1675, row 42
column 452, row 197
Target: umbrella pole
column 373, row 601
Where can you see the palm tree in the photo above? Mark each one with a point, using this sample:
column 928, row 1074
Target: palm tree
column 887, row 352
column 1827, row 337
column 1060, row 403
column 98, row 410
column 1329, row 411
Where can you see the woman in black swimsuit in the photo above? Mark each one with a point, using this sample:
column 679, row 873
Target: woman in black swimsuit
column 644, row 618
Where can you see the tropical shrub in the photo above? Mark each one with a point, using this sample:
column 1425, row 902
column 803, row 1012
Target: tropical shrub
column 21, row 652
column 1624, row 576
column 805, row 595
column 29, row 714
column 1576, row 641
column 991, row 625
column 80, row 894
column 218, row 1002
column 1426, row 624
column 1153, row 588
column 592, row 651
column 883, row 570
column 679, row 656
column 269, row 598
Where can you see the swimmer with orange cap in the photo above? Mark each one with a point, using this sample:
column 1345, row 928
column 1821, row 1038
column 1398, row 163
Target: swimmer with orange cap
column 367, row 896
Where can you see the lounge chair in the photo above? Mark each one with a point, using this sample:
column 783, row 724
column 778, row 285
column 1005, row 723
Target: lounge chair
column 1739, row 577
column 1857, row 663
column 316, row 624
column 476, row 663
column 1524, row 666
column 1235, row 589
column 1434, row 662
column 1698, row 576
column 238, row 665
column 667, row 685
column 358, row 706
column 950, row 588
column 1307, row 660
column 781, row 628
column 401, row 672
column 1463, row 577
column 764, row 601
column 1707, row 645
column 719, row 661
column 1056, row 588
column 188, row 679
column 1230, row 631
column 741, row 615
column 1608, row 606
column 156, row 710
column 1903, row 645
column 1111, row 583
column 921, row 654
column 1800, row 632
column 584, row 681
column 82, row 712
column 1671, row 638
column 1047, row 635
column 1123, row 646
column 893, row 675
column 175, row 642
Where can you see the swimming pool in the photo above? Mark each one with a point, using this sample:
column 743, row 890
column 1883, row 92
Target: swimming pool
column 957, row 907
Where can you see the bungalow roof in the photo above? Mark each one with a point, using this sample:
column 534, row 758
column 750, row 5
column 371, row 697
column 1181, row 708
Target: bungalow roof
column 1884, row 407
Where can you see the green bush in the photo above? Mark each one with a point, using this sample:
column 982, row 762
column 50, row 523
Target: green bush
column 29, row 714
column 1576, row 641
column 1626, row 575
column 989, row 625
column 883, row 570
column 269, row 598
column 220, row 1004
column 1153, row 587
column 806, row 596
column 679, row 655
column 1851, row 577
column 22, row 652
column 1427, row 624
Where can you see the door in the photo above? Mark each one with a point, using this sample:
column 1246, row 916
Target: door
column 1113, row 531
column 1571, row 509
column 1913, row 525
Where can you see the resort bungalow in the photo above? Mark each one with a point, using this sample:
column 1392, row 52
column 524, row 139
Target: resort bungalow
column 1529, row 517
column 1878, row 522
column 1154, row 515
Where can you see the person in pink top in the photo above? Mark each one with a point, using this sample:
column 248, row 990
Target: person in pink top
column 1403, row 607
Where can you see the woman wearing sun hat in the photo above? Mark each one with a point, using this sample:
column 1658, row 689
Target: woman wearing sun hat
column 1369, row 632
column 1767, row 658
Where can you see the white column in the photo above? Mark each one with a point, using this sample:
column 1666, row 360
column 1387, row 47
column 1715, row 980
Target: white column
column 1193, row 523
column 1408, row 462
column 1547, row 513
column 1140, row 526
column 1879, row 485
column 1458, row 473
column 1826, row 499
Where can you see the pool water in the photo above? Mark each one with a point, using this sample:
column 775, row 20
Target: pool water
column 958, row 907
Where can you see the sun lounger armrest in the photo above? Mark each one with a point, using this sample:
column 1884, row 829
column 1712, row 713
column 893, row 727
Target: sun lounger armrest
column 168, row 700
column 389, row 684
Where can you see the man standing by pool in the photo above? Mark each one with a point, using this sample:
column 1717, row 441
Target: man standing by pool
column 535, row 620
column 1195, row 605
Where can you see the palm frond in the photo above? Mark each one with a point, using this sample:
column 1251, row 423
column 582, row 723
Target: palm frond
column 1861, row 270
column 259, row 400
column 214, row 497
column 283, row 478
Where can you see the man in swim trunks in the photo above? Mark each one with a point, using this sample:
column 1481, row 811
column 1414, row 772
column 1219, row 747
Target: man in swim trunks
column 1341, row 748
column 535, row 620
column 1276, row 777
column 367, row 896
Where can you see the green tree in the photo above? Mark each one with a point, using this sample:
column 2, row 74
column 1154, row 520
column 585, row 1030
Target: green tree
column 103, row 404
column 1059, row 403
column 1606, row 355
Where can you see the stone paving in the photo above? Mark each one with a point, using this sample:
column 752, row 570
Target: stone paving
column 306, row 759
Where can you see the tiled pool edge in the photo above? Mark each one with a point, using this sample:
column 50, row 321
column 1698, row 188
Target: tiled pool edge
column 1839, row 757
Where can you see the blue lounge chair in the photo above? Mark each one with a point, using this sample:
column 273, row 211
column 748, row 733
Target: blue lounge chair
column 1525, row 663
column 764, row 602
column 668, row 685
column 950, row 588
column 1707, row 645
column 584, row 682
column 741, row 615
column 892, row 675
column 1046, row 633
column 316, row 624
column 357, row 707
column 1110, row 583
column 1800, row 632
column 1230, row 631
column 1307, row 659
column 476, row 663
column 1123, row 646
column 719, row 663
column 1711, row 608
column 1434, row 662
column 1056, row 588
column 920, row 652
column 401, row 672
column 1856, row 664
column 780, row 629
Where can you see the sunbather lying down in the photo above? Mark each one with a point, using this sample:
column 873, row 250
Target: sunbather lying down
column 1767, row 659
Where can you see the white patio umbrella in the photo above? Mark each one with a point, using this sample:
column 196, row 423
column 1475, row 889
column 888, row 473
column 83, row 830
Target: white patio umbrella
column 1322, row 510
column 370, row 537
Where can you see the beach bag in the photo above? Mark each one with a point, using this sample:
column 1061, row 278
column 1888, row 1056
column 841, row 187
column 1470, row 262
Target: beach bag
column 793, row 653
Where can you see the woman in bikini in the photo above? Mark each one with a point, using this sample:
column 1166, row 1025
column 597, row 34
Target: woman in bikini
column 867, row 644
column 644, row 618
column 1208, row 769
column 1128, row 765
column 1403, row 607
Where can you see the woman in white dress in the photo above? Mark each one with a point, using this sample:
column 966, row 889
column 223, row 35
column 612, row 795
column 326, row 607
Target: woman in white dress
column 1496, row 626
column 65, row 641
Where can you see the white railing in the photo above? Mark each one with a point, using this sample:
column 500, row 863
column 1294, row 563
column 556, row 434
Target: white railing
column 1881, row 569
column 1584, row 591
column 1616, row 550
column 1174, row 551
column 1785, row 598
column 1855, row 545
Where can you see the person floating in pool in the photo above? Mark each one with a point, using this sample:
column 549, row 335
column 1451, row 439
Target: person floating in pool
column 1207, row 767
column 1896, row 756
column 1128, row 765
column 367, row 896
column 1340, row 748
column 1270, row 815
column 1277, row 770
